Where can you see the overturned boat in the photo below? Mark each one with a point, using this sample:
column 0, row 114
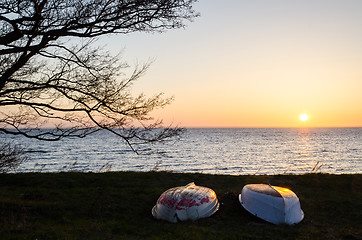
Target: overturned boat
column 188, row 202
column 274, row 204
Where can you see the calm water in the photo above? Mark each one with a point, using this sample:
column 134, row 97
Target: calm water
column 216, row 151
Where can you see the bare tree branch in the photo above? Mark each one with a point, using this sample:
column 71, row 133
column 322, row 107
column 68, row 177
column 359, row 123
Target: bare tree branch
column 48, row 79
column 11, row 156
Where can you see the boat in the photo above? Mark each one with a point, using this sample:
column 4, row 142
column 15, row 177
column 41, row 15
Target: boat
column 183, row 203
column 274, row 204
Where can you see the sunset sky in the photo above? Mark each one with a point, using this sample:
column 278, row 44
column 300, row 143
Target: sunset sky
column 256, row 63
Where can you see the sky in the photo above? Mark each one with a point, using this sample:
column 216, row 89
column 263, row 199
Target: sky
column 256, row 63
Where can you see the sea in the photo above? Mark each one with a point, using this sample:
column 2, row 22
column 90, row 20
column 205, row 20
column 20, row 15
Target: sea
column 232, row 151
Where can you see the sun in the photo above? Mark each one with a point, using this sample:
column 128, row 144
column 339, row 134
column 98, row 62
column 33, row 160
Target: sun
column 303, row 117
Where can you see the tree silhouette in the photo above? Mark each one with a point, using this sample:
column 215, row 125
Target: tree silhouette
column 52, row 73
column 11, row 156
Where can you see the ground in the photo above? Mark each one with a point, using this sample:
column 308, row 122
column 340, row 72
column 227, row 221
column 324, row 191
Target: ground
column 117, row 205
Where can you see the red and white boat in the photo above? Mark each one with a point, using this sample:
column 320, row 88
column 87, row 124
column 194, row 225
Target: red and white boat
column 183, row 203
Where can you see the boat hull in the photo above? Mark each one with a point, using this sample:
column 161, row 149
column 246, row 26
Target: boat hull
column 183, row 203
column 273, row 204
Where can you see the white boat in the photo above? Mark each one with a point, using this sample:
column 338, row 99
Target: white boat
column 274, row 204
column 183, row 203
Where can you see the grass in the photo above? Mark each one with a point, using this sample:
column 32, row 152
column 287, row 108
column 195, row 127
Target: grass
column 117, row 205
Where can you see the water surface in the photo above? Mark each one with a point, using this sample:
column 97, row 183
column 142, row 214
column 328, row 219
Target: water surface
column 212, row 150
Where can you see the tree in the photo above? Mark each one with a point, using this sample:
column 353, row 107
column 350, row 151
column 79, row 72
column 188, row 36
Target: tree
column 11, row 156
column 51, row 72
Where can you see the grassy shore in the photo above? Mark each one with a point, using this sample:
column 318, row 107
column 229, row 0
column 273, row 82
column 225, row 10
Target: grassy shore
column 118, row 206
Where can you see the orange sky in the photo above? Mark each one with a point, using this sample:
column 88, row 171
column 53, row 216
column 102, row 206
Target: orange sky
column 257, row 64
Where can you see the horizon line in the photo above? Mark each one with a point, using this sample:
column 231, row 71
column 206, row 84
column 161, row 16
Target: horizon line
column 270, row 127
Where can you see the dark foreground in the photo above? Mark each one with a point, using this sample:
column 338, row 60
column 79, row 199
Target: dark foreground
column 118, row 206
